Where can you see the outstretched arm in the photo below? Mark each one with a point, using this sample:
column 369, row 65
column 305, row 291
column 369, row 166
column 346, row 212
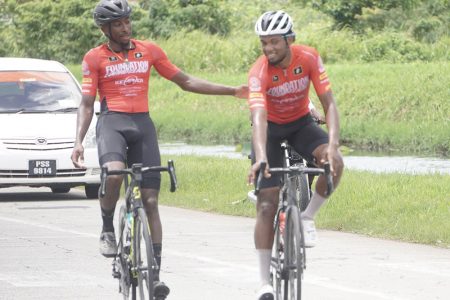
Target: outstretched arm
column 201, row 86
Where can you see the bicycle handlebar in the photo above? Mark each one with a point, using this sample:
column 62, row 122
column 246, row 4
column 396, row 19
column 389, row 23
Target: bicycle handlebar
column 296, row 170
column 136, row 172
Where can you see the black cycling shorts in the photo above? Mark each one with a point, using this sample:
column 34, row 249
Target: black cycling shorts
column 304, row 135
column 129, row 138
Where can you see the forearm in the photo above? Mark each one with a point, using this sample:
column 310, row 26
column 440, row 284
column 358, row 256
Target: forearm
column 84, row 118
column 332, row 119
column 200, row 86
column 259, row 135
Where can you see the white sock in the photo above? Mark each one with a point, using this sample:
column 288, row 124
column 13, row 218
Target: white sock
column 314, row 205
column 264, row 257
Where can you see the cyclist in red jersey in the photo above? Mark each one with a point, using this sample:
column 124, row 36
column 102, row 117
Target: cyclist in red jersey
column 279, row 84
column 119, row 72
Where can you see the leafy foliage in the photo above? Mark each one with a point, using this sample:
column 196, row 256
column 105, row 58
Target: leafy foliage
column 207, row 35
column 61, row 30
column 167, row 17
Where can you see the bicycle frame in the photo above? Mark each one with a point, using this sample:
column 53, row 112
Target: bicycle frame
column 128, row 265
column 288, row 253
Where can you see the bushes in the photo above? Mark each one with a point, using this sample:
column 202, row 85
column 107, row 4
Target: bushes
column 394, row 47
column 168, row 17
column 206, row 35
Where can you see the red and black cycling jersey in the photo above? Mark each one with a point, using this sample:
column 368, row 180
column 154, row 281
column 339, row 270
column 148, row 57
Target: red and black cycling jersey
column 123, row 84
column 284, row 92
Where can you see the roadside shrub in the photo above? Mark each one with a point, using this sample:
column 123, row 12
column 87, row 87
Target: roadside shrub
column 394, row 47
column 427, row 30
column 167, row 17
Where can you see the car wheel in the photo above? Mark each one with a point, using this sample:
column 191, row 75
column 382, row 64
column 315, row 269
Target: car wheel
column 91, row 191
column 60, row 189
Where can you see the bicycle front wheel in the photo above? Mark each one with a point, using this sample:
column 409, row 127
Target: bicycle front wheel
column 143, row 260
column 277, row 260
column 294, row 255
column 123, row 266
column 303, row 193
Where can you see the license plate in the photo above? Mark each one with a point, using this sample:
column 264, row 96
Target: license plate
column 42, row 167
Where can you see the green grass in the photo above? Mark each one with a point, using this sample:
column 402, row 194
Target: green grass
column 390, row 107
column 393, row 206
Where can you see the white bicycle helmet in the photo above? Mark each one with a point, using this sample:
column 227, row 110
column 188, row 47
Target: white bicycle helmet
column 274, row 22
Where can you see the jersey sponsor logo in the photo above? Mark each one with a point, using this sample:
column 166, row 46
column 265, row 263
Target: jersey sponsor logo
column 85, row 68
column 298, row 70
column 86, row 80
column 275, row 78
column 254, row 84
column 112, row 58
column 138, row 55
column 290, row 87
column 131, row 67
column 129, row 80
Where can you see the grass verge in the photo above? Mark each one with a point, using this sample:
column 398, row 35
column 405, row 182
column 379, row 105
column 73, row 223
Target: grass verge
column 412, row 208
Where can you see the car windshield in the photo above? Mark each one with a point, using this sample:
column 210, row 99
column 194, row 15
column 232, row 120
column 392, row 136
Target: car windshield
column 33, row 91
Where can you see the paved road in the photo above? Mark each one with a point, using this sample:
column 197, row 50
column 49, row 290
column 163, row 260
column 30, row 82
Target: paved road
column 48, row 247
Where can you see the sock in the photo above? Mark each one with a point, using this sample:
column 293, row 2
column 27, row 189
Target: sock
column 157, row 249
column 314, row 205
column 108, row 217
column 264, row 257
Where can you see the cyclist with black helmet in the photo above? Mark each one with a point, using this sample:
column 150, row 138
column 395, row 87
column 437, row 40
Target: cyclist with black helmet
column 119, row 72
column 279, row 84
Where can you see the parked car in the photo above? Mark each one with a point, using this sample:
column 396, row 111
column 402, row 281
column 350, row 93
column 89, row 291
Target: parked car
column 38, row 109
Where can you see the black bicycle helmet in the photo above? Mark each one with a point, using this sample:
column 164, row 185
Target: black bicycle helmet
column 274, row 22
column 107, row 11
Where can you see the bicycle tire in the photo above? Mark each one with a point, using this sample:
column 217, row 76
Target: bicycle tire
column 125, row 279
column 277, row 260
column 303, row 194
column 294, row 255
column 143, row 259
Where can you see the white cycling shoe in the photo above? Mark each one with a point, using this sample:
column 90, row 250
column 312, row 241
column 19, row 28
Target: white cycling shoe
column 266, row 293
column 251, row 196
column 310, row 233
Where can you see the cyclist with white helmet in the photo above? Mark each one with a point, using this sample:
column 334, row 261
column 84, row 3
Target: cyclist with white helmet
column 119, row 72
column 279, row 83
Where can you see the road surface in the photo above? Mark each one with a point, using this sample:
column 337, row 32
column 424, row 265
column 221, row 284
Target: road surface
column 49, row 247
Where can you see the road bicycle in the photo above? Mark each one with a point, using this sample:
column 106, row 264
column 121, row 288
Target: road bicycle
column 288, row 252
column 135, row 264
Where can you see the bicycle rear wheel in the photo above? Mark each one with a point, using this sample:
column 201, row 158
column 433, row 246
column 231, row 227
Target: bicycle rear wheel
column 294, row 255
column 143, row 260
